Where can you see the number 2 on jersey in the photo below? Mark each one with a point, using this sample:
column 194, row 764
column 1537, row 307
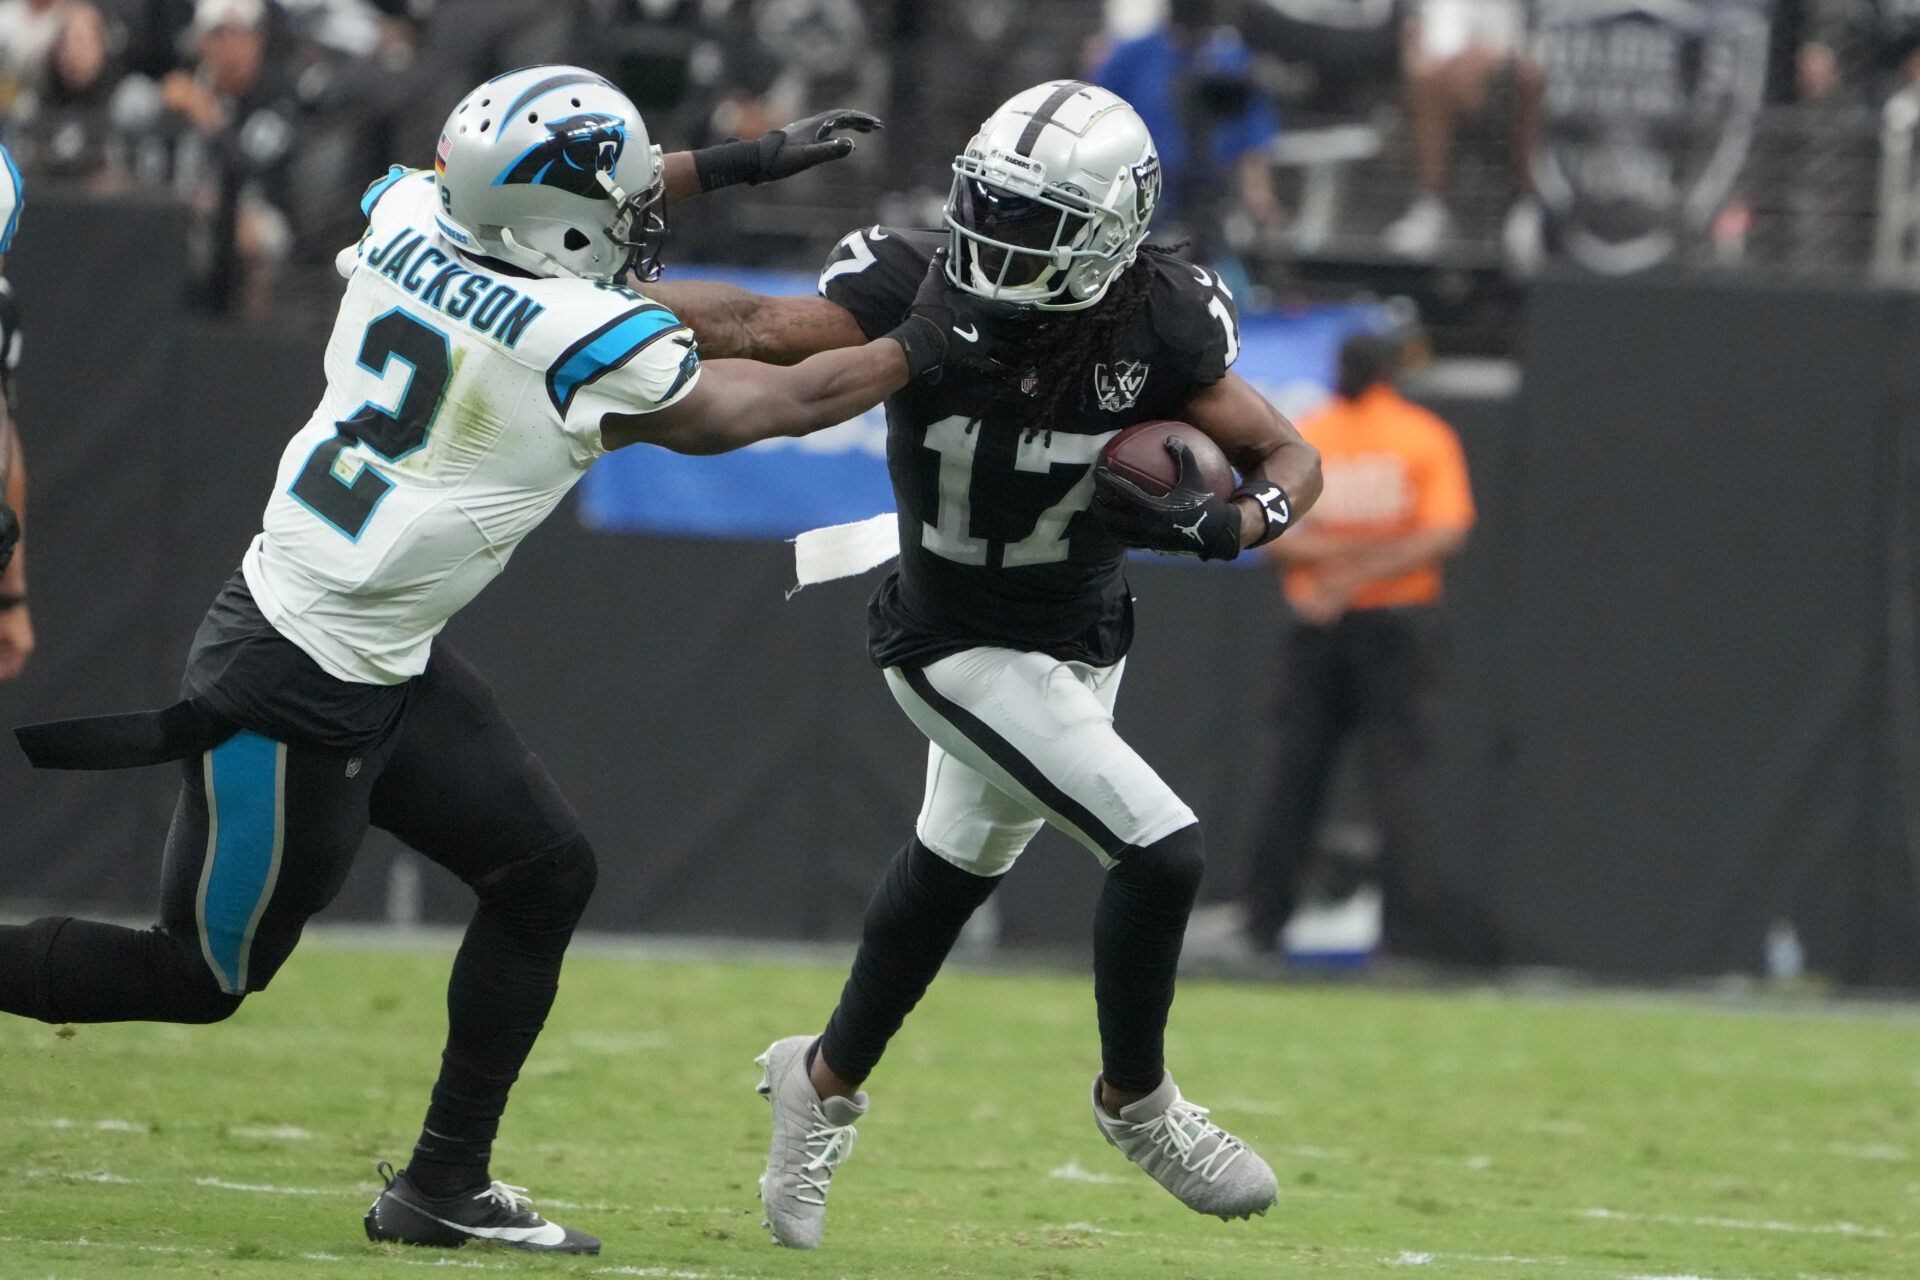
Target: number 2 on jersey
column 949, row 534
column 324, row 486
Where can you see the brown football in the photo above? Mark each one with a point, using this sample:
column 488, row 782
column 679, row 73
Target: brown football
column 1140, row 454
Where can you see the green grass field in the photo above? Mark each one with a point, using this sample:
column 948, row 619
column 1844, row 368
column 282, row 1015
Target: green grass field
column 1414, row 1134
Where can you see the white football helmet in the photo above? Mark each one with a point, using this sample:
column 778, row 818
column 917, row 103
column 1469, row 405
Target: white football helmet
column 550, row 169
column 1052, row 197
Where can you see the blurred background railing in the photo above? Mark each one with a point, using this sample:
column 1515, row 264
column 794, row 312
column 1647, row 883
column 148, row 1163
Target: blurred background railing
column 1444, row 149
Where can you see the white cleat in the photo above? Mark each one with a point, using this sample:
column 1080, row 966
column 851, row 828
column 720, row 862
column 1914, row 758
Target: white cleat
column 812, row 1136
column 1205, row 1167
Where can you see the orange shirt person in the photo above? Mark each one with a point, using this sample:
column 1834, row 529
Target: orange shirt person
column 1397, row 501
column 1362, row 574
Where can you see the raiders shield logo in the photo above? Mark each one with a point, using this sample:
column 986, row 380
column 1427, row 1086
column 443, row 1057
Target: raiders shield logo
column 1119, row 383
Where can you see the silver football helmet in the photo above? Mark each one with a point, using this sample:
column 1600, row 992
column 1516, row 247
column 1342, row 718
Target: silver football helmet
column 1052, row 197
column 550, row 169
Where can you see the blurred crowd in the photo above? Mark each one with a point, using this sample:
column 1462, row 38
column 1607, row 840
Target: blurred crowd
column 1614, row 133
column 1615, row 116
column 268, row 117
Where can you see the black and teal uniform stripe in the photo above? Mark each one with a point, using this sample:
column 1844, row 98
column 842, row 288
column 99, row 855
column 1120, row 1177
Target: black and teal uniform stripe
column 246, row 782
column 605, row 349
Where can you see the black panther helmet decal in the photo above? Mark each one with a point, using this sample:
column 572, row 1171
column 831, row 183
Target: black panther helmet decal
column 578, row 148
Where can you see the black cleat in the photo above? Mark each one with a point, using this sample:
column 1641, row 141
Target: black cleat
column 499, row 1215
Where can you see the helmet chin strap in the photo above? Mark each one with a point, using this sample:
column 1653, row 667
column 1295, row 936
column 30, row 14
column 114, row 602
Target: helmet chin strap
column 555, row 266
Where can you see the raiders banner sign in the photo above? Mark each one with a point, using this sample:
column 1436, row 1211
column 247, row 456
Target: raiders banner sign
column 1648, row 110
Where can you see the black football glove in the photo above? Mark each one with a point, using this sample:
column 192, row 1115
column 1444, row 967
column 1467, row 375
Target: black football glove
column 1190, row 520
column 9, row 534
column 783, row 152
column 934, row 318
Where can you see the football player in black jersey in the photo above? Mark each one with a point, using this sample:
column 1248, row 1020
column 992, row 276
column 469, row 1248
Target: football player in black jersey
column 1004, row 629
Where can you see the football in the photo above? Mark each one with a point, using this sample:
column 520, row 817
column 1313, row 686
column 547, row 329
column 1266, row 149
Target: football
column 1140, row 454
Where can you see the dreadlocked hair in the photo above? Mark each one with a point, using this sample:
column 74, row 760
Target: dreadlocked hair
column 1064, row 345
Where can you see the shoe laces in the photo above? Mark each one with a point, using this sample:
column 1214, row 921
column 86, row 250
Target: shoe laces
column 1182, row 1128
column 828, row 1146
column 512, row 1199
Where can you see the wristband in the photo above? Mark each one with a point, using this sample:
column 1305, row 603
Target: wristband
column 10, row 601
column 1274, row 501
column 924, row 342
column 727, row 164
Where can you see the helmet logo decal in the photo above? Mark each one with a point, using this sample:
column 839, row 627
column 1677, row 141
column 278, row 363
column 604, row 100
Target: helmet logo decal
column 577, row 148
column 1146, row 186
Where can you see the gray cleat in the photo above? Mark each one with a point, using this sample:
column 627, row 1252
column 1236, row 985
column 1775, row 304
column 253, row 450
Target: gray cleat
column 811, row 1137
column 1205, row 1167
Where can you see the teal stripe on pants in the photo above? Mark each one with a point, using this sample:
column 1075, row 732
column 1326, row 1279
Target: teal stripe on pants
column 246, row 780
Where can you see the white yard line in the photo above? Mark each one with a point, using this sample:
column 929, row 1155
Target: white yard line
column 268, row 1189
column 272, row 1132
column 91, row 1175
column 1072, row 1171
column 1851, row 1229
column 1869, row 1151
column 108, row 1125
column 1426, row 1258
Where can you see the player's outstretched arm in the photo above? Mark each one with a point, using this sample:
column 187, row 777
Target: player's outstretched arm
column 770, row 157
column 16, row 621
column 739, row 402
column 1264, row 448
column 734, row 322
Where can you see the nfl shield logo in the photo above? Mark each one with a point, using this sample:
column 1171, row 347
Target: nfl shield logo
column 1119, row 383
column 1029, row 383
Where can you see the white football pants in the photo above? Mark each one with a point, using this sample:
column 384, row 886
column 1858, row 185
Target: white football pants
column 1020, row 739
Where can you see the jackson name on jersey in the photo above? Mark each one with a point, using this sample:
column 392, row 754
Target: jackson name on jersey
column 463, row 401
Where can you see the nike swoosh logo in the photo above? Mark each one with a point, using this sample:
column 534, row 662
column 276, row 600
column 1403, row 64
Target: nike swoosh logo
column 545, row 1233
column 970, row 333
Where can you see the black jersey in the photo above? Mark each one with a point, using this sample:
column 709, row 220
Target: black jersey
column 997, row 546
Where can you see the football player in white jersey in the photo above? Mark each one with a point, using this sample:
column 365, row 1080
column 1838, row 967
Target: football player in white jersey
column 483, row 358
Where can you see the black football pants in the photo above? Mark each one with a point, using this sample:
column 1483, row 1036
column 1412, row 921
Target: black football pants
column 1369, row 674
column 262, row 837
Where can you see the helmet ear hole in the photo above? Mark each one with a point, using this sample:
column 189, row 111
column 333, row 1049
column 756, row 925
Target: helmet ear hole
column 575, row 239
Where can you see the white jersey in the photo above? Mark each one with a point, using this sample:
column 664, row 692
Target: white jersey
column 462, row 404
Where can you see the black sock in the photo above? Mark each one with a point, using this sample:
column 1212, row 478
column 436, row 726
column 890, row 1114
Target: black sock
column 503, row 984
column 59, row 969
column 912, row 923
column 445, row 1167
column 1138, row 927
